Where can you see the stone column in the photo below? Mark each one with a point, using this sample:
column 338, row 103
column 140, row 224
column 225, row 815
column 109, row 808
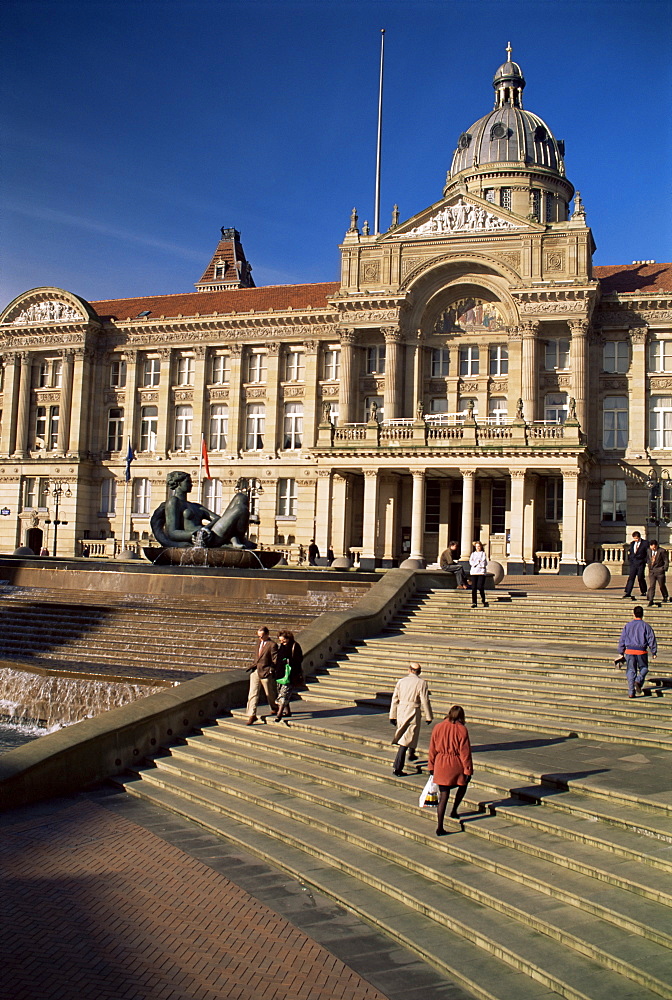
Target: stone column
column 418, row 516
column 346, row 391
column 393, row 401
column 79, row 418
column 529, row 370
column 323, row 511
column 516, row 558
column 467, row 535
column 529, row 519
column 571, row 528
column 388, row 526
column 578, row 354
column 165, row 430
column 311, row 406
column 638, row 416
column 23, row 409
column 370, row 525
column 68, row 357
column 340, row 535
column 12, row 363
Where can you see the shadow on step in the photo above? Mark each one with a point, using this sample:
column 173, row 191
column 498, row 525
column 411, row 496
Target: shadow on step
column 521, row 744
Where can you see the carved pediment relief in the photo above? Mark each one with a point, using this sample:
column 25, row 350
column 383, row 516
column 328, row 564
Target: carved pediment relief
column 45, row 306
column 459, row 217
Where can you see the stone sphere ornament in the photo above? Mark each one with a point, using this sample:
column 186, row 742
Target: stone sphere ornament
column 23, row 550
column 341, row 562
column 497, row 571
column 596, row 576
column 412, row 564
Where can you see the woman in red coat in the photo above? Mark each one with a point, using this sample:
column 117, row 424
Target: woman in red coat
column 450, row 762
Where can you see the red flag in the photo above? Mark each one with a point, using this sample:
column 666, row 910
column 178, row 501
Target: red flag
column 204, row 456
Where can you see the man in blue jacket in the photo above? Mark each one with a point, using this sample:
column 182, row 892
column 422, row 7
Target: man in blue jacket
column 637, row 638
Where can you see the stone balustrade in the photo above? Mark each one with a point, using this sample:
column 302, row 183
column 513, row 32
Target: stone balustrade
column 429, row 432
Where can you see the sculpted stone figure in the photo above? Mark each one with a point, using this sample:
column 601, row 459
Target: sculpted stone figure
column 181, row 523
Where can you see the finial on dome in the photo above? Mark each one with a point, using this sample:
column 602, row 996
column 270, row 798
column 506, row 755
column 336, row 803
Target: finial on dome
column 509, row 50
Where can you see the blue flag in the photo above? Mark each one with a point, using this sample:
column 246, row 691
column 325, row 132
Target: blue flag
column 129, row 458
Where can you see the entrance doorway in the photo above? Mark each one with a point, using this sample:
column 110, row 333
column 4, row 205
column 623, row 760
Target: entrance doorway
column 34, row 537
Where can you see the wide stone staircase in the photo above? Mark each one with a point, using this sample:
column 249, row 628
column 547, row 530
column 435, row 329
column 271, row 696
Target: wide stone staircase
column 557, row 881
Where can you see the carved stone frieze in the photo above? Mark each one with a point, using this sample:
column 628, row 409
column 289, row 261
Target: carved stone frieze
column 557, row 306
column 293, row 390
column 370, row 270
column 305, row 483
column 407, row 264
column 256, row 393
column 614, row 383
column 114, row 397
column 436, row 385
column 511, row 258
column 373, row 316
column 48, row 311
column 467, row 386
column 218, row 394
column 656, row 383
column 499, row 385
column 323, row 473
column 183, row 395
column 149, row 396
column 47, row 397
column 554, row 261
column 462, row 217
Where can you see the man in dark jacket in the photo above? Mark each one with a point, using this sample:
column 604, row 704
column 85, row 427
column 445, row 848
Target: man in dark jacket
column 637, row 638
column 658, row 562
column 637, row 557
column 261, row 674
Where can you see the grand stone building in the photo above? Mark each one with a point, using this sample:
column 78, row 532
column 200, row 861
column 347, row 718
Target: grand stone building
column 471, row 375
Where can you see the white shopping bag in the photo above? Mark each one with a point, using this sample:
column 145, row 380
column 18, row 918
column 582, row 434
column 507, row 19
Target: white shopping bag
column 430, row 795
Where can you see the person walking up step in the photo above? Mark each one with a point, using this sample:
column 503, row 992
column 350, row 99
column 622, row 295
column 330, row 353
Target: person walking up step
column 658, row 562
column 478, row 562
column 637, row 639
column 288, row 670
column 450, row 762
column 261, row 674
column 637, row 558
column 409, row 700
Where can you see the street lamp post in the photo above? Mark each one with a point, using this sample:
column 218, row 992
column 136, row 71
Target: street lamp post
column 659, row 487
column 254, row 490
column 58, row 489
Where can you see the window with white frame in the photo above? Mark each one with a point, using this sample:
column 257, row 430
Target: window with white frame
column 54, row 424
column 151, row 373
column 332, row 364
column 184, row 416
column 57, row 373
column 286, row 498
column 615, row 422
column 497, row 410
column 489, row 195
column 293, row 426
column 554, row 499
column 40, row 427
column 375, row 360
column 149, row 426
column 212, row 495
column 220, row 369
column 256, row 367
column 35, row 492
column 185, row 370
column 368, row 406
column 295, row 363
column 254, row 426
column 108, row 496
column 614, row 498
column 219, row 427
column 115, row 429
column 556, row 407
column 557, row 355
column 440, row 360
column 616, row 356
column 499, row 359
column 660, row 356
column 43, row 375
column 505, row 198
column 142, row 496
column 118, row 374
column 469, row 363
column 660, row 422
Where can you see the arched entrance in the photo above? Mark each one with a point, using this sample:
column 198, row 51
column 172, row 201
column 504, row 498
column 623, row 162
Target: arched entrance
column 34, row 538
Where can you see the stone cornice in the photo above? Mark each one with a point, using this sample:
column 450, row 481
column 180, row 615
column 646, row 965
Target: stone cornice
column 221, row 327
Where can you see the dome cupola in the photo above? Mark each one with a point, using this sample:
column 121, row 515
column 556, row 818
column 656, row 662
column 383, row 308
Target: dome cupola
column 509, row 83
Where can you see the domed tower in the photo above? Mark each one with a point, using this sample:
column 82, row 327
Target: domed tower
column 511, row 158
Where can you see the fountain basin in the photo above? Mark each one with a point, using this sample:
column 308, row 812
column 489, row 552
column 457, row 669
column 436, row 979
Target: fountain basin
column 223, row 556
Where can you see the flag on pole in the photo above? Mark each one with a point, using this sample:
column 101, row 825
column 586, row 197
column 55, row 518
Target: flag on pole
column 204, row 456
column 129, row 458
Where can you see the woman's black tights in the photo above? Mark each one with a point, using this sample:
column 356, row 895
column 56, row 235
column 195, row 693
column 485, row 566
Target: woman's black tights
column 444, row 795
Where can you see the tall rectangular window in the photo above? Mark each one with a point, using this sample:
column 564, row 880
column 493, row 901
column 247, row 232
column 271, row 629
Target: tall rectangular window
column 615, row 422
column 660, row 356
column 614, row 497
column 293, row 426
column 57, row 373
column 108, row 496
column 536, row 204
column 498, row 410
column 332, row 365
column 183, row 422
column 30, row 492
column 557, row 355
column 469, row 363
column 255, row 426
column 220, row 369
column 151, row 374
column 556, row 407
column 375, row 360
column 554, row 499
column 549, row 207
column 499, row 359
column 440, row 359
column 212, row 495
column 498, row 507
column 40, row 427
column 432, row 506
column 286, row 498
column 142, row 496
column 118, row 374
column 616, row 356
column 256, row 368
column 185, row 370
column 219, row 427
column 660, row 422
column 115, row 429
column 149, row 425
column 294, row 366
column 505, row 198
column 54, row 421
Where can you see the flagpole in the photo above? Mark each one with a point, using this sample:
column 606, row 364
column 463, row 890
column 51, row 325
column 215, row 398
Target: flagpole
column 376, row 213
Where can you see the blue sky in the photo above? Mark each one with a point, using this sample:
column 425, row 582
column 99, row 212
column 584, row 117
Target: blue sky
column 134, row 129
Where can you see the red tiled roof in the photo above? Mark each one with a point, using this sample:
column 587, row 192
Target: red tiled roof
column 230, row 252
column 268, row 298
column 648, row 278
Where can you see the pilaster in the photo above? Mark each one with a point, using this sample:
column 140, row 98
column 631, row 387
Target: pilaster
column 467, row 536
column 368, row 555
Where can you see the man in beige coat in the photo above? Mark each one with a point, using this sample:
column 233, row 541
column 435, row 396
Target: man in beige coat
column 409, row 701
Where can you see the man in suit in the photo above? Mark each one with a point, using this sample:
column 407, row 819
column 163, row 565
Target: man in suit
column 658, row 561
column 637, row 557
column 261, row 674
column 410, row 699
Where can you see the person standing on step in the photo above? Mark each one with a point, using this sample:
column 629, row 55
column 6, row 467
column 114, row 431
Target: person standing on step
column 261, row 674
column 658, row 562
column 409, row 700
column 288, row 670
column 450, row 762
column 478, row 563
column 636, row 641
column 455, row 566
column 637, row 557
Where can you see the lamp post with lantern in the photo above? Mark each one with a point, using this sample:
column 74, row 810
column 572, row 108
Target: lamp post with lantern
column 58, row 490
column 660, row 497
